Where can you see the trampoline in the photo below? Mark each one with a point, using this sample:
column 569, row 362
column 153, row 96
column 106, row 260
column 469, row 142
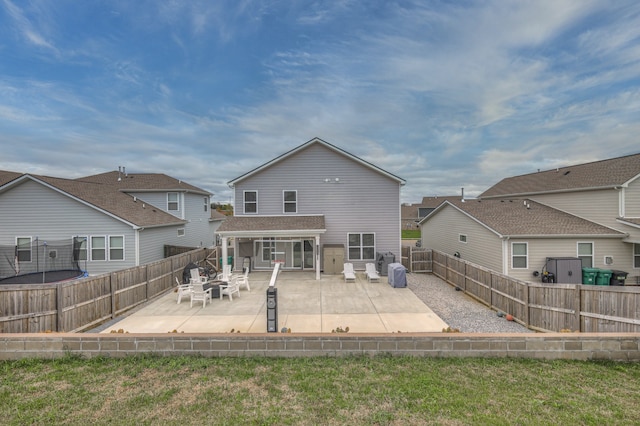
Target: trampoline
column 47, row 277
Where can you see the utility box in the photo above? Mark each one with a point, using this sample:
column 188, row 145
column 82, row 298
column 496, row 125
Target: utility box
column 333, row 256
column 272, row 310
column 566, row 270
column 383, row 260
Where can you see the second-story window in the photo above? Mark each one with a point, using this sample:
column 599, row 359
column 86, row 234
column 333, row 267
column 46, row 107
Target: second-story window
column 290, row 199
column 173, row 203
column 251, row 201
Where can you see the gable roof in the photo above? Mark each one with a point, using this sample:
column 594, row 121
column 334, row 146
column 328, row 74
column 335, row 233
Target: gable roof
column 7, row 176
column 526, row 218
column 411, row 211
column 596, row 175
column 104, row 197
column 306, row 145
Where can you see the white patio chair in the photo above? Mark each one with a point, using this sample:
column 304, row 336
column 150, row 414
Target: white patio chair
column 349, row 273
column 196, row 277
column 372, row 273
column 198, row 293
column 228, row 289
column 183, row 290
column 243, row 280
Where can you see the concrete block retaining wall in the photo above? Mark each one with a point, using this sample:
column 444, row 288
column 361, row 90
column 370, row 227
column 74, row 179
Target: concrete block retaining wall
column 577, row 346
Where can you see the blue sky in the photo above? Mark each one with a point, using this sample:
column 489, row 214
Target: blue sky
column 445, row 94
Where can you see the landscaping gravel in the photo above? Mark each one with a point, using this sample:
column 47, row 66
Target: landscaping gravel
column 457, row 309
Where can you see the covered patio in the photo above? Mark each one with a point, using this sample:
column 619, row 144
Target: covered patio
column 305, row 305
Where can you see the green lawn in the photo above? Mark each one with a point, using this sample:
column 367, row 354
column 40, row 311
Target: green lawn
column 314, row 391
column 410, row 233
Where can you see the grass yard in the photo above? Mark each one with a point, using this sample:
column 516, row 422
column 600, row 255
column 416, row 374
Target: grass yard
column 313, row 391
column 411, row 234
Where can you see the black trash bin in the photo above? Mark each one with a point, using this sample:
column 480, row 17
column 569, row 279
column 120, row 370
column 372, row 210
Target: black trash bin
column 618, row 277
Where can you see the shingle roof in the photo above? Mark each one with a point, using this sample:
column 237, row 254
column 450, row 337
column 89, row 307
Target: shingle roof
column 100, row 192
column 598, row 174
column 411, row 212
column 272, row 223
column 528, row 218
column 131, row 182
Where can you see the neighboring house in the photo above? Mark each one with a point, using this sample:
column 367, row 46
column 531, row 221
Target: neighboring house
column 412, row 214
column 116, row 220
column 590, row 211
column 314, row 208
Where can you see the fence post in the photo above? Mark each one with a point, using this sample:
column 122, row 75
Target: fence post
column 526, row 305
column 577, row 324
column 59, row 309
column 112, row 287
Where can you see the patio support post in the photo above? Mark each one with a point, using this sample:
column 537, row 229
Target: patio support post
column 317, row 257
column 225, row 243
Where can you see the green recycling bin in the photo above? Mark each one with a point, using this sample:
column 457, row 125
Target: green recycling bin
column 589, row 275
column 604, row 276
column 229, row 261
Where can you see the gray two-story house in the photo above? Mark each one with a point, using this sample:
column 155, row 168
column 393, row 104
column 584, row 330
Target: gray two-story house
column 314, row 208
column 111, row 221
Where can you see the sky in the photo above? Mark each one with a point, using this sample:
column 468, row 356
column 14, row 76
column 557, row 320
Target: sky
column 444, row 94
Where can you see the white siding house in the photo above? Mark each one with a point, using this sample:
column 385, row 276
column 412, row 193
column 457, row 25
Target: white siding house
column 313, row 196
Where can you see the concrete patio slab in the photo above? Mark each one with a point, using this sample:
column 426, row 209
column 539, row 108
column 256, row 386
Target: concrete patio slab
column 305, row 305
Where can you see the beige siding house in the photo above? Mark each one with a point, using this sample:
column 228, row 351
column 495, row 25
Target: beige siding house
column 606, row 192
column 514, row 237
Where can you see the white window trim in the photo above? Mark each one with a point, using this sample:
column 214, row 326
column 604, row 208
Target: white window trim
column 593, row 251
column 284, row 202
column 105, row 248
column 362, row 246
column 206, row 204
column 244, row 201
column 24, row 250
column 634, row 255
column 177, row 202
column 86, row 246
column 526, row 256
column 117, row 248
column 462, row 238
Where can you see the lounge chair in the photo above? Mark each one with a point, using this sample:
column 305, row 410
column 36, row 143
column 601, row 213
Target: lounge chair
column 349, row 273
column 199, row 293
column 196, row 277
column 243, row 280
column 372, row 273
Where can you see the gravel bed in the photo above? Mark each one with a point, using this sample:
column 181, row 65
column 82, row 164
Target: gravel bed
column 457, row 309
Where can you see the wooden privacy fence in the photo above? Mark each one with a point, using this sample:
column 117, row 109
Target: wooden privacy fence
column 417, row 259
column 545, row 307
column 81, row 304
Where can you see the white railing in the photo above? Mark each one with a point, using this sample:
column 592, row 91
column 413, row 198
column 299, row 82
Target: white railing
column 274, row 274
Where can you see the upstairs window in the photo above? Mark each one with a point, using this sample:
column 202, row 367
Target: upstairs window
column 23, row 249
column 206, row 203
column 290, row 199
column 251, row 201
column 173, row 203
column 519, row 255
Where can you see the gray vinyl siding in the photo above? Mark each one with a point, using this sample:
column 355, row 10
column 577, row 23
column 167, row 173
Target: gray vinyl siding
column 198, row 231
column 442, row 230
column 153, row 240
column 32, row 209
column 363, row 201
column 601, row 206
column 540, row 249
